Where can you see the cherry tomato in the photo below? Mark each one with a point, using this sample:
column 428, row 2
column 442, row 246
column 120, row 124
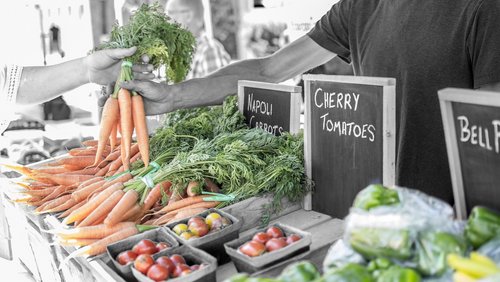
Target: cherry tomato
column 143, row 262
column 292, row 238
column 145, row 246
column 274, row 232
column 261, row 237
column 157, row 272
column 253, row 248
column 177, row 259
column 181, row 270
column 162, row 245
column 199, row 228
column 125, row 257
column 275, row 244
column 167, row 263
column 195, row 219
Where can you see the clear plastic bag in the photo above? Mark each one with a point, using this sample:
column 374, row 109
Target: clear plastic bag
column 491, row 250
column 340, row 254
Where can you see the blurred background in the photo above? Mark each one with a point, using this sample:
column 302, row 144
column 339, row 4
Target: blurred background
column 46, row 32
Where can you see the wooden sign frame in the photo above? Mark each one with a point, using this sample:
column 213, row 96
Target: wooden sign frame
column 446, row 97
column 388, row 122
column 295, row 98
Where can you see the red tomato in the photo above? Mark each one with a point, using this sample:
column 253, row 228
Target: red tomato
column 143, row 262
column 292, row 238
column 195, row 219
column 261, row 237
column 253, row 248
column 181, row 270
column 177, row 259
column 275, row 244
column 125, row 257
column 167, row 262
column 199, row 228
column 162, row 245
column 145, row 246
column 274, row 232
column 158, row 272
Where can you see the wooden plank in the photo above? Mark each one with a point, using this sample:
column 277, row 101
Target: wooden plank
column 250, row 210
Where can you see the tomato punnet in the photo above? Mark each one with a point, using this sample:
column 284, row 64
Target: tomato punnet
column 177, row 259
column 162, row 245
column 181, row 270
column 143, row 262
column 125, row 257
column 261, row 237
column 195, row 267
column 167, row 263
column 145, row 246
column 274, row 232
column 253, row 248
column 158, row 272
column 275, row 244
column 292, row 238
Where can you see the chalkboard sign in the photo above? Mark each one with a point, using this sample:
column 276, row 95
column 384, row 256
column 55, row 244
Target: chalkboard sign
column 471, row 121
column 273, row 107
column 349, row 138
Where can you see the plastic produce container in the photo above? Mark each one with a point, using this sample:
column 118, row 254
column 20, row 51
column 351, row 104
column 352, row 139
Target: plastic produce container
column 211, row 243
column 244, row 263
column 192, row 256
column 156, row 235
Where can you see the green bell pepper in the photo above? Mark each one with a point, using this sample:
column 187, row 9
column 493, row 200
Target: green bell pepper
column 375, row 195
column 482, row 225
column 351, row 272
column 433, row 248
column 397, row 273
column 380, row 242
column 243, row 277
column 301, row 271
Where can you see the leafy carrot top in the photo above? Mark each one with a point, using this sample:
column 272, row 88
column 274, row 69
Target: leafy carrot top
column 159, row 37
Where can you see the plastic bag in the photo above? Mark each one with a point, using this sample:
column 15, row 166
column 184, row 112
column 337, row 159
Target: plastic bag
column 340, row 254
column 492, row 250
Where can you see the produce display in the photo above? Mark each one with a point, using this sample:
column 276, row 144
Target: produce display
column 164, row 267
column 265, row 242
column 197, row 226
column 197, row 151
column 145, row 246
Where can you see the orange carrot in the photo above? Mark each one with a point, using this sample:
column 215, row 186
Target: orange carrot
column 155, row 194
column 126, row 203
column 92, row 204
column 80, row 161
column 103, row 170
column 132, row 213
column 99, row 247
column 54, row 203
column 183, row 203
column 67, row 179
column 52, row 169
column 108, row 119
column 58, row 192
column 110, row 173
column 126, row 124
column 141, row 128
column 41, row 192
column 113, row 156
column 163, row 219
column 65, row 203
column 115, row 164
column 92, row 142
column 71, row 209
column 112, row 137
column 91, row 232
column 85, row 191
column 104, row 208
column 76, row 242
column 85, row 171
column 182, row 214
column 89, row 182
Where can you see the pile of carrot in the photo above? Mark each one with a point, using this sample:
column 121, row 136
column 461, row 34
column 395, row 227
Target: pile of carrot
column 93, row 202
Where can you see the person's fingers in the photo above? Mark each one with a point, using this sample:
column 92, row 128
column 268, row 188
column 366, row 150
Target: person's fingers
column 141, row 86
column 145, row 58
column 144, row 76
column 142, row 68
column 121, row 53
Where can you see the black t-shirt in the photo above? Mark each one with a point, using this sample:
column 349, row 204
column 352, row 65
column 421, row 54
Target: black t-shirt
column 426, row 45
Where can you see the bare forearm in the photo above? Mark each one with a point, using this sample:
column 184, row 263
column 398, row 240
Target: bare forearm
column 40, row 84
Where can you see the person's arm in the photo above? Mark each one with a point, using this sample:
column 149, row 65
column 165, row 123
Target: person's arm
column 40, row 84
column 294, row 59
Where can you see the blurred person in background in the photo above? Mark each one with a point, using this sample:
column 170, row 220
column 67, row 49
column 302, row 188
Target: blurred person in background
column 210, row 54
column 30, row 85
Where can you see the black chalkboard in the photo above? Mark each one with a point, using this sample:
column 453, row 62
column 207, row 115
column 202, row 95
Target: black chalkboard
column 345, row 138
column 472, row 125
column 272, row 107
